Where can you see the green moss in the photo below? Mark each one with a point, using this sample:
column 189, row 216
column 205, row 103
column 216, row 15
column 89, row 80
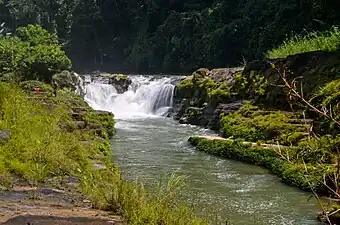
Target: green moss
column 253, row 84
column 121, row 77
column 290, row 173
column 247, row 124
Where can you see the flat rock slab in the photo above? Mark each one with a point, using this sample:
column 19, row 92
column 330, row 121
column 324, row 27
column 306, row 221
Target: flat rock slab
column 55, row 220
column 273, row 146
column 48, row 205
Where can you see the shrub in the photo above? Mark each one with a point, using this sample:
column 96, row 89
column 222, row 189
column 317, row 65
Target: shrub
column 32, row 54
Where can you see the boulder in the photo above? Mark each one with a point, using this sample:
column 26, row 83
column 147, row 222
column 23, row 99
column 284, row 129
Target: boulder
column 120, row 82
column 5, row 135
column 81, row 124
column 214, row 123
column 194, row 116
column 185, row 103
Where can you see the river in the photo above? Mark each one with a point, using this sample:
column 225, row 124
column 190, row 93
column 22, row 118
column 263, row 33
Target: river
column 148, row 145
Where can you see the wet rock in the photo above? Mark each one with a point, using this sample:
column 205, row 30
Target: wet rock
column 182, row 108
column 194, row 116
column 120, row 82
column 60, row 220
column 5, row 135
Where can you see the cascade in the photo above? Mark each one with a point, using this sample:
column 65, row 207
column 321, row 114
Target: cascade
column 146, row 96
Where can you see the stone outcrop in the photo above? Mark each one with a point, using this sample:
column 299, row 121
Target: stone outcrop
column 201, row 97
column 120, row 82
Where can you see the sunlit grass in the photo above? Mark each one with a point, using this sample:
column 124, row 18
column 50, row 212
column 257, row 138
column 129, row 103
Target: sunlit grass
column 327, row 41
column 136, row 204
column 38, row 147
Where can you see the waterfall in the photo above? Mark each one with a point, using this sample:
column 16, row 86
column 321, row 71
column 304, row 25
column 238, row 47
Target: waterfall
column 146, row 96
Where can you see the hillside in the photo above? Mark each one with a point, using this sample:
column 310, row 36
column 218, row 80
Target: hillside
column 170, row 36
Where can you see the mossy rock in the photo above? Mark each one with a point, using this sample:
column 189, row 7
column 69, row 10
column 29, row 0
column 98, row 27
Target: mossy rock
column 121, row 82
column 103, row 118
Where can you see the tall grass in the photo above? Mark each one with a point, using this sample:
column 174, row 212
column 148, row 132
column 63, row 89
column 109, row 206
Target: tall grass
column 38, row 147
column 136, row 204
column 327, row 41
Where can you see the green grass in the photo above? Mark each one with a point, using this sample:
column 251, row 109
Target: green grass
column 327, row 41
column 38, row 147
column 138, row 205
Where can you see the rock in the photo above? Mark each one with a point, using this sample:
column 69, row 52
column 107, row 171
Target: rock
column 80, row 109
column 182, row 108
column 5, row 135
column 48, row 191
column 78, row 116
column 224, row 74
column 102, row 112
column 64, row 79
column 194, row 116
column 214, row 123
column 120, row 82
column 94, row 126
column 97, row 166
column 81, row 124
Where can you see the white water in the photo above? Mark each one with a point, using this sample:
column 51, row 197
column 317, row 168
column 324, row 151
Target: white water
column 147, row 96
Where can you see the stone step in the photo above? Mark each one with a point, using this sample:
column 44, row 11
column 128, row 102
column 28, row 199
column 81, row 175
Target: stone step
column 59, row 220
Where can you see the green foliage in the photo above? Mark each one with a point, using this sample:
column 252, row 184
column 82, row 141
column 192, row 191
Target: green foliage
column 327, row 41
column 36, row 35
column 32, row 54
column 253, row 85
column 319, row 150
column 330, row 92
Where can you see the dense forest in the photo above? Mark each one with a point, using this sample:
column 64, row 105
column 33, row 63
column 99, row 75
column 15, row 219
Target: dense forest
column 169, row 35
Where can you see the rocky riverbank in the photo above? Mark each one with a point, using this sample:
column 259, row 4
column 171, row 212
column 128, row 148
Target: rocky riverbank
column 291, row 103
